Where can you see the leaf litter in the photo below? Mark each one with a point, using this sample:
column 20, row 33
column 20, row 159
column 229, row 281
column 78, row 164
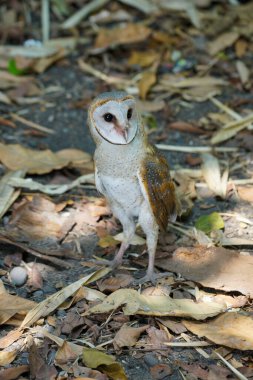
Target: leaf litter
column 171, row 63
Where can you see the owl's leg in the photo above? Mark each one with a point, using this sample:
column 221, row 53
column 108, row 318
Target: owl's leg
column 151, row 230
column 128, row 225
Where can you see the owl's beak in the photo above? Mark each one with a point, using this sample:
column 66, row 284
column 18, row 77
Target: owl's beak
column 123, row 132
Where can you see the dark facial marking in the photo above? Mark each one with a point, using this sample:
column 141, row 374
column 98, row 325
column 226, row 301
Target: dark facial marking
column 108, row 117
column 129, row 113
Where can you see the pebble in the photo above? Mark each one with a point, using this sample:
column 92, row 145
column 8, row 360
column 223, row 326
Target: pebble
column 18, row 276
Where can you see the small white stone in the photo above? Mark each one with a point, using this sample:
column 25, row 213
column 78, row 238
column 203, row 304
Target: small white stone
column 18, row 276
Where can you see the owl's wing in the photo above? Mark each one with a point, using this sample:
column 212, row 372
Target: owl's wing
column 158, row 187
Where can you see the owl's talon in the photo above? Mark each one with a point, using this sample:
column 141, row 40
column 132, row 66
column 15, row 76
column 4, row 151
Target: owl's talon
column 151, row 277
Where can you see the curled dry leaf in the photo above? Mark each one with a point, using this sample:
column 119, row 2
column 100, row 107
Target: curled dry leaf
column 136, row 303
column 157, row 338
column 127, row 336
column 230, row 329
column 212, row 174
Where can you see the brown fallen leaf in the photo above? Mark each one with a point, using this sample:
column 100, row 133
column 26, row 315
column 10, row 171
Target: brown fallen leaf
column 7, row 357
column 157, row 338
column 13, row 372
column 127, row 336
column 144, row 58
column 17, row 157
column 65, row 354
column 222, row 42
column 35, row 279
column 245, row 193
column 13, row 305
column 39, row 369
column 148, row 79
column 213, row 267
column 11, row 337
column 129, row 33
column 111, row 284
column 161, row 305
column 183, row 126
column 175, row 327
column 232, row 329
column 160, row 371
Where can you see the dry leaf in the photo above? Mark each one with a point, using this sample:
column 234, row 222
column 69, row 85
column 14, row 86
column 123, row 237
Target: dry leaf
column 245, row 193
column 145, row 6
column 129, row 33
column 114, row 283
column 127, row 336
column 243, row 71
column 231, row 129
column 39, row 369
column 55, row 300
column 136, row 303
column 212, row 174
column 213, row 267
column 8, row 193
column 13, row 372
column 230, row 329
column 7, row 357
column 94, row 358
column 11, row 337
column 222, row 42
column 157, row 338
column 148, row 79
column 17, row 157
column 136, row 239
column 13, row 305
column 143, row 58
column 65, row 354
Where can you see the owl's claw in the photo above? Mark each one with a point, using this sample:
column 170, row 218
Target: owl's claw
column 109, row 263
column 151, row 277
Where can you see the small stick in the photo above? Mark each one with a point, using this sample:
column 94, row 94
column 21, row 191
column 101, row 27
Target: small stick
column 199, row 343
column 233, row 369
column 31, row 124
column 54, row 260
column 196, row 149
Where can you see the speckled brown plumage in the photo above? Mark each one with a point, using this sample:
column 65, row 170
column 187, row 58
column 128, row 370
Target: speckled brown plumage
column 160, row 188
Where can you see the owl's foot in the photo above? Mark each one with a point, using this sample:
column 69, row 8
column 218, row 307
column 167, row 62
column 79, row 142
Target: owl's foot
column 151, row 277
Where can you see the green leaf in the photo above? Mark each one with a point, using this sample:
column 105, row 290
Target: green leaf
column 93, row 358
column 209, row 223
column 12, row 68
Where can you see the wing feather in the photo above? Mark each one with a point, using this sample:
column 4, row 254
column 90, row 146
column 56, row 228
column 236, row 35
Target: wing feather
column 159, row 187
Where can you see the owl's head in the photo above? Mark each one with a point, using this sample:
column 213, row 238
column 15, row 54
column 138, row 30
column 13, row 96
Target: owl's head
column 114, row 117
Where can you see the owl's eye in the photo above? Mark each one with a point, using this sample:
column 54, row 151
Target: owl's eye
column 108, row 117
column 129, row 113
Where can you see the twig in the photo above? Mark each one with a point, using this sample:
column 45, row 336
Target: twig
column 199, row 350
column 233, row 369
column 198, row 343
column 90, row 7
column 28, row 183
column 45, row 20
column 54, row 260
column 196, row 149
column 31, row 124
